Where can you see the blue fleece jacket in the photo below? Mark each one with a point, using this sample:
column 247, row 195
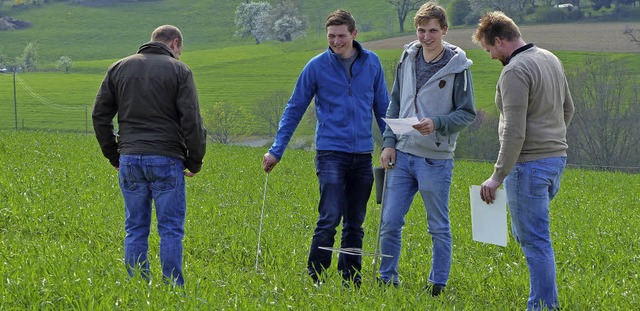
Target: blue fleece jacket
column 345, row 106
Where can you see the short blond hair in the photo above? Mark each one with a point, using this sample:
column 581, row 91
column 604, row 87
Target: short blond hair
column 496, row 25
column 428, row 11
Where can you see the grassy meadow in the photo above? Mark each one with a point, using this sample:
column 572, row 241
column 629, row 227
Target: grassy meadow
column 61, row 239
column 242, row 75
column 61, row 211
column 226, row 68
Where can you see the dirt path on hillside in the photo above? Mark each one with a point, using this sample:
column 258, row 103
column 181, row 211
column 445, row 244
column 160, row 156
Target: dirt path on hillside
column 592, row 37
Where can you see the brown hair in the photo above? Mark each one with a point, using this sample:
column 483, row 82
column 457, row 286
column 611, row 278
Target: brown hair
column 429, row 11
column 341, row 17
column 166, row 34
column 496, row 25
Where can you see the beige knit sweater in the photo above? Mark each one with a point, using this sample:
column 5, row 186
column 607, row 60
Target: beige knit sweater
column 535, row 106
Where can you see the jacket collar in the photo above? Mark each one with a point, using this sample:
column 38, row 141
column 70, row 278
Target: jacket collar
column 518, row 51
column 155, row 48
column 356, row 45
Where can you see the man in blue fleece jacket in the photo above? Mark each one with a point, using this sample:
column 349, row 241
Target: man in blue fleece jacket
column 347, row 85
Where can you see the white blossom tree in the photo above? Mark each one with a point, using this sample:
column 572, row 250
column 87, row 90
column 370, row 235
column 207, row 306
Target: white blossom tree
column 286, row 21
column 64, row 63
column 252, row 20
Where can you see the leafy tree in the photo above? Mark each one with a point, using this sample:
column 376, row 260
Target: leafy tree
column 64, row 63
column 286, row 22
column 224, row 122
column 513, row 8
column 604, row 131
column 598, row 4
column 458, row 12
column 30, row 57
column 270, row 109
column 252, row 20
column 403, row 7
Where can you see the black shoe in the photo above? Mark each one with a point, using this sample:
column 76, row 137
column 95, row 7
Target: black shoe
column 383, row 283
column 435, row 289
column 356, row 282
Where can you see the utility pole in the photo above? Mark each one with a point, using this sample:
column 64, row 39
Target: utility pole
column 15, row 101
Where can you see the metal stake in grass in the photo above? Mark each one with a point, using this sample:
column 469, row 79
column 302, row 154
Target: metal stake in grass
column 264, row 199
column 382, row 195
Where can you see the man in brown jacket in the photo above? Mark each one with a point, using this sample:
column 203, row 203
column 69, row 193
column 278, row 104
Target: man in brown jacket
column 160, row 139
column 535, row 109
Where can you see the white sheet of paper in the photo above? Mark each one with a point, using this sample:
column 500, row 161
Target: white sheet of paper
column 489, row 221
column 403, row 126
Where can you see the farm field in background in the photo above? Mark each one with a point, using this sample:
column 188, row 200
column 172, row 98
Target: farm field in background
column 239, row 75
column 61, row 237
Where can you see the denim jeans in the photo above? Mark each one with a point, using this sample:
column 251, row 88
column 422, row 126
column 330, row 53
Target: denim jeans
column 146, row 178
column 345, row 186
column 530, row 187
column 432, row 178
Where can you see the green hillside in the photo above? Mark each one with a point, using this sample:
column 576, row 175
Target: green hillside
column 86, row 33
column 226, row 68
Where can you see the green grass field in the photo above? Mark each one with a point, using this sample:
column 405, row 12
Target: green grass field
column 61, row 211
column 61, row 239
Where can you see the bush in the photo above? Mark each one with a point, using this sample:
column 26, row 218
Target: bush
column 550, row 15
column 480, row 140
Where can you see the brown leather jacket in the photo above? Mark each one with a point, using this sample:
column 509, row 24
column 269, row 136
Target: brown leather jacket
column 155, row 99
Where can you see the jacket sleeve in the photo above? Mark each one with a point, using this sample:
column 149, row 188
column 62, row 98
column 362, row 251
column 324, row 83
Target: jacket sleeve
column 302, row 95
column 513, row 88
column 381, row 98
column 464, row 109
column 393, row 111
column 195, row 135
column 105, row 109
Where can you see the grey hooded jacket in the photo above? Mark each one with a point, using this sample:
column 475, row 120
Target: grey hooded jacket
column 446, row 98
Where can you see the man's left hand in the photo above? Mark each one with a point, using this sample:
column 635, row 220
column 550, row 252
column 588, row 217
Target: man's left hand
column 488, row 190
column 425, row 126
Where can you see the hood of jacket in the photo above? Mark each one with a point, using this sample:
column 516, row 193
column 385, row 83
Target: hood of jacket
column 458, row 62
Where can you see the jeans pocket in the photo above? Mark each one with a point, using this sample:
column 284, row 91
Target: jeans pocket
column 543, row 181
column 163, row 176
column 127, row 175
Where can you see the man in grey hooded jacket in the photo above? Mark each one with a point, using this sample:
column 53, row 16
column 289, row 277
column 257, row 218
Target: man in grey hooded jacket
column 433, row 84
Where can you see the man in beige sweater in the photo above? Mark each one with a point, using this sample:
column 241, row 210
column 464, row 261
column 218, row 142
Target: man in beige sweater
column 535, row 106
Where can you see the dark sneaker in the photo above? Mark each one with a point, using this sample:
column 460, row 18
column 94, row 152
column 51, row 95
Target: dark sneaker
column 383, row 283
column 355, row 283
column 435, row 289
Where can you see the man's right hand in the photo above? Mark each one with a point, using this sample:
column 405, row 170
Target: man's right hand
column 388, row 157
column 269, row 161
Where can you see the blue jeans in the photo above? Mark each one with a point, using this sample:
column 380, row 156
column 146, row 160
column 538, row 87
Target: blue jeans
column 530, row 187
column 144, row 178
column 345, row 186
column 432, row 178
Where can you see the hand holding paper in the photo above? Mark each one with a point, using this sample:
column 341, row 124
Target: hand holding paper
column 489, row 221
column 403, row 126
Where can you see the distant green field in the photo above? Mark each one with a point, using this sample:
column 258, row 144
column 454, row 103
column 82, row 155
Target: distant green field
column 226, row 68
column 241, row 75
column 61, row 239
column 85, row 33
